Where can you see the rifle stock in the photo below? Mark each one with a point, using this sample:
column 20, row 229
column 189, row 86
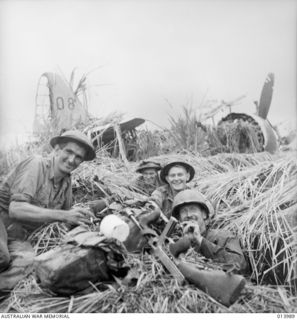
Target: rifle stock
column 222, row 286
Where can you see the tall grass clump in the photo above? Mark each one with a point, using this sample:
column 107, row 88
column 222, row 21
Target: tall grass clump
column 259, row 204
column 13, row 155
column 185, row 131
column 154, row 143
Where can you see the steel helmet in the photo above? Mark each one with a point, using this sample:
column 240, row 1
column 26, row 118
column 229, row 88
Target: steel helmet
column 168, row 166
column 148, row 165
column 78, row 137
column 191, row 196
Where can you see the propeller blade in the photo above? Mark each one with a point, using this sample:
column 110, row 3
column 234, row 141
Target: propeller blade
column 266, row 96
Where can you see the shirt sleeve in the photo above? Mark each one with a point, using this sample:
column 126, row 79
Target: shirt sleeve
column 224, row 249
column 26, row 181
column 157, row 197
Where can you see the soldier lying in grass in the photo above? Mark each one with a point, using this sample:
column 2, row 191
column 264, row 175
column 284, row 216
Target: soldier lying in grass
column 39, row 191
column 195, row 213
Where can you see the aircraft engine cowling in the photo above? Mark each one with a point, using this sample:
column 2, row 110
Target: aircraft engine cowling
column 262, row 129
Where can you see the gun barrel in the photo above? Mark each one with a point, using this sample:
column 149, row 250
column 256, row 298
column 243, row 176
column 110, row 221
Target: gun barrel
column 169, row 264
column 132, row 217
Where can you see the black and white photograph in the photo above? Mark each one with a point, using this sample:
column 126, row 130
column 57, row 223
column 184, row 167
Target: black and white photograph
column 148, row 158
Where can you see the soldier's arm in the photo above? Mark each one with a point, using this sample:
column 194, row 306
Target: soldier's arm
column 157, row 197
column 223, row 249
column 27, row 212
column 23, row 189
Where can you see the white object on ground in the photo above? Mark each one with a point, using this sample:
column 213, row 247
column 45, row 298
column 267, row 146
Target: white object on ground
column 114, row 227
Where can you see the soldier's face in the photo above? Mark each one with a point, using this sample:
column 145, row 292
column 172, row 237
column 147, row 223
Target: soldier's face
column 68, row 157
column 177, row 178
column 194, row 213
column 149, row 175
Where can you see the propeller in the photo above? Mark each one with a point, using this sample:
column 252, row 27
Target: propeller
column 266, row 96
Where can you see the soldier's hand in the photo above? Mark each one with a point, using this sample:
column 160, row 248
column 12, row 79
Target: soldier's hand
column 151, row 205
column 77, row 216
column 192, row 229
column 149, row 218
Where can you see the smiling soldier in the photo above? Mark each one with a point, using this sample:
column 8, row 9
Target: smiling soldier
column 38, row 191
column 175, row 175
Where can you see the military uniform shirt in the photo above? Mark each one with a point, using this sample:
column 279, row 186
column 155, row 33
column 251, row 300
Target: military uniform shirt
column 223, row 247
column 163, row 196
column 32, row 181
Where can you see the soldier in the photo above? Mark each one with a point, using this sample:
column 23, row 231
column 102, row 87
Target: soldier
column 175, row 175
column 149, row 179
column 195, row 212
column 39, row 191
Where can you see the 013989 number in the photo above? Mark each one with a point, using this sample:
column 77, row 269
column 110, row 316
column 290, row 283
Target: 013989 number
column 285, row 316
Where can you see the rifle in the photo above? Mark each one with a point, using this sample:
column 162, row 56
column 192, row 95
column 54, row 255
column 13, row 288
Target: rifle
column 223, row 287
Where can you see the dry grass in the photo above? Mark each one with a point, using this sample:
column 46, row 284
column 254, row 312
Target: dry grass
column 185, row 132
column 255, row 203
column 255, row 197
column 188, row 133
column 10, row 158
column 155, row 291
column 105, row 177
column 154, row 143
column 45, row 238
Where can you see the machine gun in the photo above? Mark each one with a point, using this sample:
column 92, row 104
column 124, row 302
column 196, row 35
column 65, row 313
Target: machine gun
column 223, row 287
column 156, row 244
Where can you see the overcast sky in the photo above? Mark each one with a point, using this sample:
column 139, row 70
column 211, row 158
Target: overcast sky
column 150, row 52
